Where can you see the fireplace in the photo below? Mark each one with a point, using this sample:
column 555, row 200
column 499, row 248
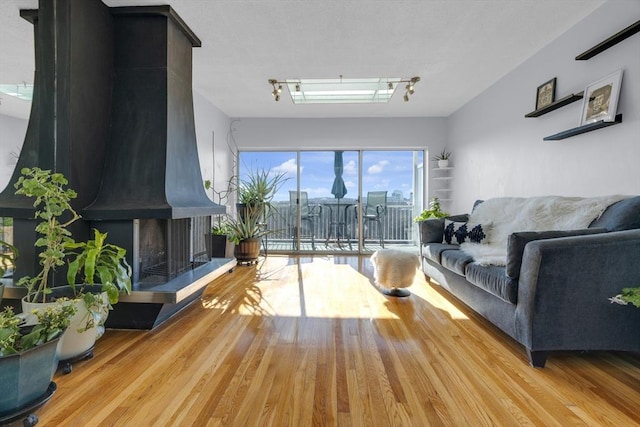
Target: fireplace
column 113, row 112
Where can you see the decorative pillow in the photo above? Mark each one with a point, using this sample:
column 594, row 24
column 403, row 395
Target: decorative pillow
column 460, row 232
column 478, row 233
column 454, row 232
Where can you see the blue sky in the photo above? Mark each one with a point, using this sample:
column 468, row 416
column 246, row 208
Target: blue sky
column 382, row 170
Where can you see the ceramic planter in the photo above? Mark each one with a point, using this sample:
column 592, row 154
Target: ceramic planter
column 75, row 341
column 25, row 377
column 443, row 163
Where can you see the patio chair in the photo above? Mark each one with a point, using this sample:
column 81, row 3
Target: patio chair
column 374, row 210
column 308, row 213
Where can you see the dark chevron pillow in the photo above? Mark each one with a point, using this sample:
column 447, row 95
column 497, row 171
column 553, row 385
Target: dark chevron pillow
column 478, row 233
column 460, row 232
column 454, row 232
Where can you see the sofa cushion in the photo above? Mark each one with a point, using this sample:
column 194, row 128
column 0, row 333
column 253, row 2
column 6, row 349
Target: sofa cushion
column 433, row 251
column 517, row 241
column 493, row 279
column 622, row 215
column 455, row 260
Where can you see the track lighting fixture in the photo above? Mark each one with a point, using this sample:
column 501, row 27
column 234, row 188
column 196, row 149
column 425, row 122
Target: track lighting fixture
column 340, row 91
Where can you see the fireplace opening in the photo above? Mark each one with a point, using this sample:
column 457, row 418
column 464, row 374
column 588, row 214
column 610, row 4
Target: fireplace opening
column 170, row 247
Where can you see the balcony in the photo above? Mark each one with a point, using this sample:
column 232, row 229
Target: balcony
column 398, row 228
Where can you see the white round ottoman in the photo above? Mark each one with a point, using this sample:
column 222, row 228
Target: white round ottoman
column 394, row 270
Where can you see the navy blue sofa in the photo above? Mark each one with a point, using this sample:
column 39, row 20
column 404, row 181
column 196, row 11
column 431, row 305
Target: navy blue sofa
column 553, row 294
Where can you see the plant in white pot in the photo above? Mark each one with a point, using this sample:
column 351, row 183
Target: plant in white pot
column 442, row 158
column 88, row 260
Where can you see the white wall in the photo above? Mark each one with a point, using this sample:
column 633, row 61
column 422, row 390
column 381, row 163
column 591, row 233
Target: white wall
column 498, row 152
column 212, row 131
column 12, row 132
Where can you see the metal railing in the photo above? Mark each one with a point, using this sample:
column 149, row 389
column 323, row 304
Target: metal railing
column 397, row 224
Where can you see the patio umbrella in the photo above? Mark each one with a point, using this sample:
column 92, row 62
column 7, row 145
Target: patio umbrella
column 339, row 189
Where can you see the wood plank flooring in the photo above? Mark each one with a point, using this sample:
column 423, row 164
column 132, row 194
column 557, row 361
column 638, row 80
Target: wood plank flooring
column 311, row 342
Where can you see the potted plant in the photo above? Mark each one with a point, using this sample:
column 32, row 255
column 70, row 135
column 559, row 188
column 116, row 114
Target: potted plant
column 28, row 355
column 257, row 190
column 628, row 296
column 442, row 158
column 87, row 260
column 434, row 211
column 217, row 243
column 246, row 232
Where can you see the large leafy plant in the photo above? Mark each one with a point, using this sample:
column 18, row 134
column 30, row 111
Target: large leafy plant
column 52, row 203
column 628, row 296
column 96, row 259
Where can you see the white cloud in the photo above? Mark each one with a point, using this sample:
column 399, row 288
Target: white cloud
column 288, row 167
column 378, row 167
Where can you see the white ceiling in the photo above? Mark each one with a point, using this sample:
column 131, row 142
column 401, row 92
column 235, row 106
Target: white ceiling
column 457, row 47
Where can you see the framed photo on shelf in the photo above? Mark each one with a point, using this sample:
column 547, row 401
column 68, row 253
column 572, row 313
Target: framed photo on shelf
column 546, row 93
column 600, row 101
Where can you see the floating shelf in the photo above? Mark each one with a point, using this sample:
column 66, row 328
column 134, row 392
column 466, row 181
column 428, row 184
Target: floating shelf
column 611, row 41
column 443, row 169
column 583, row 129
column 442, row 178
column 556, row 104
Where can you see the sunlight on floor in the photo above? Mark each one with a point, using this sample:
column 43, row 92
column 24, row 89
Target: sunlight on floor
column 320, row 287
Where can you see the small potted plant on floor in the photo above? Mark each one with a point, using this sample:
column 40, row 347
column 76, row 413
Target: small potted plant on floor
column 88, row 261
column 442, row 158
column 217, row 242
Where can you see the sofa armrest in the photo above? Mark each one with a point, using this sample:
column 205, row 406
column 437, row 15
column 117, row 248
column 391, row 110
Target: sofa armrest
column 518, row 240
column 564, row 290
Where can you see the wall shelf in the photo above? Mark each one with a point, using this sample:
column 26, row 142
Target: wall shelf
column 583, row 129
column 611, row 41
column 573, row 97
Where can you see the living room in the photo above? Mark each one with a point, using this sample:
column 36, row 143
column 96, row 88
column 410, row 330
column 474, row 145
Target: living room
column 497, row 152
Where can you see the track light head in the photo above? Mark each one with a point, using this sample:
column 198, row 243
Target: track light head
column 277, row 98
column 406, row 97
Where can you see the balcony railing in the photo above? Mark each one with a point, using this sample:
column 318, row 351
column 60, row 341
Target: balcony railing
column 397, row 223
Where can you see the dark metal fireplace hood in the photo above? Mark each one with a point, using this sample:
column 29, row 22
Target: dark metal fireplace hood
column 151, row 167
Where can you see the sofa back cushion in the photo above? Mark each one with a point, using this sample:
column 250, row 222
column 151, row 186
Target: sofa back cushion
column 622, row 215
column 517, row 241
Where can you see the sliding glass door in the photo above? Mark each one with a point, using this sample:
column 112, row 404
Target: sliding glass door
column 338, row 201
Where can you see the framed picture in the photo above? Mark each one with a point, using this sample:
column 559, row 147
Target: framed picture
column 600, row 100
column 546, row 94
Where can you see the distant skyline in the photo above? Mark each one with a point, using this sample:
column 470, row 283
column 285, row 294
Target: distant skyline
column 382, row 170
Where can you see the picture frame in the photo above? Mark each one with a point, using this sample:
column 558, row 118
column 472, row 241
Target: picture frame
column 546, row 94
column 600, row 99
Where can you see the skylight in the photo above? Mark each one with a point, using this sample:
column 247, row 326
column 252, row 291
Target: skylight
column 22, row 91
column 342, row 91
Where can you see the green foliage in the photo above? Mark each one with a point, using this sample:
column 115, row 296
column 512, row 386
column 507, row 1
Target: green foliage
column 434, row 211
column 91, row 262
column 246, row 226
column 52, row 203
column 631, row 296
column 8, row 254
column 444, row 155
column 96, row 259
column 52, row 322
column 260, row 186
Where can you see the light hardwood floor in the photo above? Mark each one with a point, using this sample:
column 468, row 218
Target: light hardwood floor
column 310, row 341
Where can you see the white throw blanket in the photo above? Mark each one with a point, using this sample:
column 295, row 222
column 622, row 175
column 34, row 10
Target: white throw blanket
column 503, row 216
